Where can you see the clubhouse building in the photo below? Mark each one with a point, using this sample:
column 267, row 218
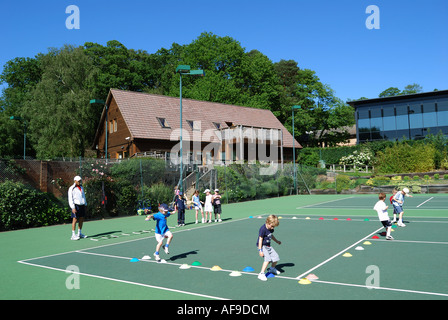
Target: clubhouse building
column 142, row 124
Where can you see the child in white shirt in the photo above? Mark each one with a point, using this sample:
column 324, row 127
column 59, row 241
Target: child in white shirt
column 381, row 209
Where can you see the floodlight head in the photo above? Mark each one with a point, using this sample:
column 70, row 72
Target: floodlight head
column 200, row 73
column 183, row 68
column 97, row 101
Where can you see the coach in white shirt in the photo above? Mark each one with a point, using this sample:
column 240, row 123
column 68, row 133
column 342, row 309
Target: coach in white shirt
column 78, row 204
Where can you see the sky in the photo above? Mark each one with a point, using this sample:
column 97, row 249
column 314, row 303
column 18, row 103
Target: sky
column 327, row 36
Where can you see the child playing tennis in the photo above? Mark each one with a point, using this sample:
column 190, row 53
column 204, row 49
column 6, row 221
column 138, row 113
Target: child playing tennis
column 216, row 199
column 208, row 208
column 391, row 199
column 197, row 205
column 265, row 234
column 381, row 209
column 398, row 201
column 162, row 230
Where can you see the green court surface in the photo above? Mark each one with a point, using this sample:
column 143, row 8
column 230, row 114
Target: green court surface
column 316, row 232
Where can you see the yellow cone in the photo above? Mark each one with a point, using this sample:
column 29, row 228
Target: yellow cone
column 304, row 281
column 215, row 268
column 367, row 243
column 347, row 255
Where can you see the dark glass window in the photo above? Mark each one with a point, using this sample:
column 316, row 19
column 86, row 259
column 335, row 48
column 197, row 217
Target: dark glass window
column 429, row 115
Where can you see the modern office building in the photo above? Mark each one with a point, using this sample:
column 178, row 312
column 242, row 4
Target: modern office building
column 407, row 116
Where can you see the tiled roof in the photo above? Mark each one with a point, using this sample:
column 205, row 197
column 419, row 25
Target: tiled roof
column 141, row 110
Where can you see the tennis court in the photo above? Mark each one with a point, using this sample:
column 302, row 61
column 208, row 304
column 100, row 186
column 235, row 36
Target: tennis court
column 215, row 261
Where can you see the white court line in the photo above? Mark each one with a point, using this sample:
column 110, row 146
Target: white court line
column 338, row 254
column 127, row 282
column 412, row 241
column 319, row 203
column 381, row 288
column 425, row 202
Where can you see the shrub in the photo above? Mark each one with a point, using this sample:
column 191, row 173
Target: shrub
column 23, row 207
column 158, row 193
column 342, row 182
column 416, row 178
column 436, row 176
column 362, row 158
column 403, row 158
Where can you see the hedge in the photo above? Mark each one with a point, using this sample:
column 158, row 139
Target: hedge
column 22, row 206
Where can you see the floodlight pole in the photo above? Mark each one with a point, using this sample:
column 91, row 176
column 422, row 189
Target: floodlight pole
column 184, row 70
column 294, row 149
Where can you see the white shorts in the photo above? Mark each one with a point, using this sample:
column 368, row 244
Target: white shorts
column 160, row 237
column 198, row 206
column 208, row 207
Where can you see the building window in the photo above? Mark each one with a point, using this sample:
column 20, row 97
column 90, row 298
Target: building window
column 217, row 125
column 163, row 123
column 194, row 125
column 115, row 125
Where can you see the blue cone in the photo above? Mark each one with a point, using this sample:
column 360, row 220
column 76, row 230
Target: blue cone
column 134, row 260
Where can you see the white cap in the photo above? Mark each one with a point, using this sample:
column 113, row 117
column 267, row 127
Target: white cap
column 77, row 178
column 406, row 190
column 206, row 190
column 216, row 190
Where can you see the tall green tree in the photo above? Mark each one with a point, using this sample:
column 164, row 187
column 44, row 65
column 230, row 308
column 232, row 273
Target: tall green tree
column 323, row 118
column 119, row 68
column 60, row 116
column 20, row 75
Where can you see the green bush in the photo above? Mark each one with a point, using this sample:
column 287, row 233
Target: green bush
column 403, row 158
column 158, row 193
column 436, row 176
column 24, row 207
column 342, row 182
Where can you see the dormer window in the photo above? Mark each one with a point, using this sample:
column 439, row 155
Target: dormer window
column 163, row 123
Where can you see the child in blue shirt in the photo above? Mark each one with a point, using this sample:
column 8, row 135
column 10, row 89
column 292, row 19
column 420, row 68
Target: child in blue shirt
column 162, row 230
column 197, row 205
column 398, row 201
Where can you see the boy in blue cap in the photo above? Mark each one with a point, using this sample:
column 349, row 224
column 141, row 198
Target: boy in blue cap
column 179, row 206
column 162, row 230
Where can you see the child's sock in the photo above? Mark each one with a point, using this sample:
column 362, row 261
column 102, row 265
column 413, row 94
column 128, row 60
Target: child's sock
column 167, row 245
column 157, row 252
column 79, row 231
column 388, row 231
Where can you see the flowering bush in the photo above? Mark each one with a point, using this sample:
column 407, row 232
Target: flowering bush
column 361, row 158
